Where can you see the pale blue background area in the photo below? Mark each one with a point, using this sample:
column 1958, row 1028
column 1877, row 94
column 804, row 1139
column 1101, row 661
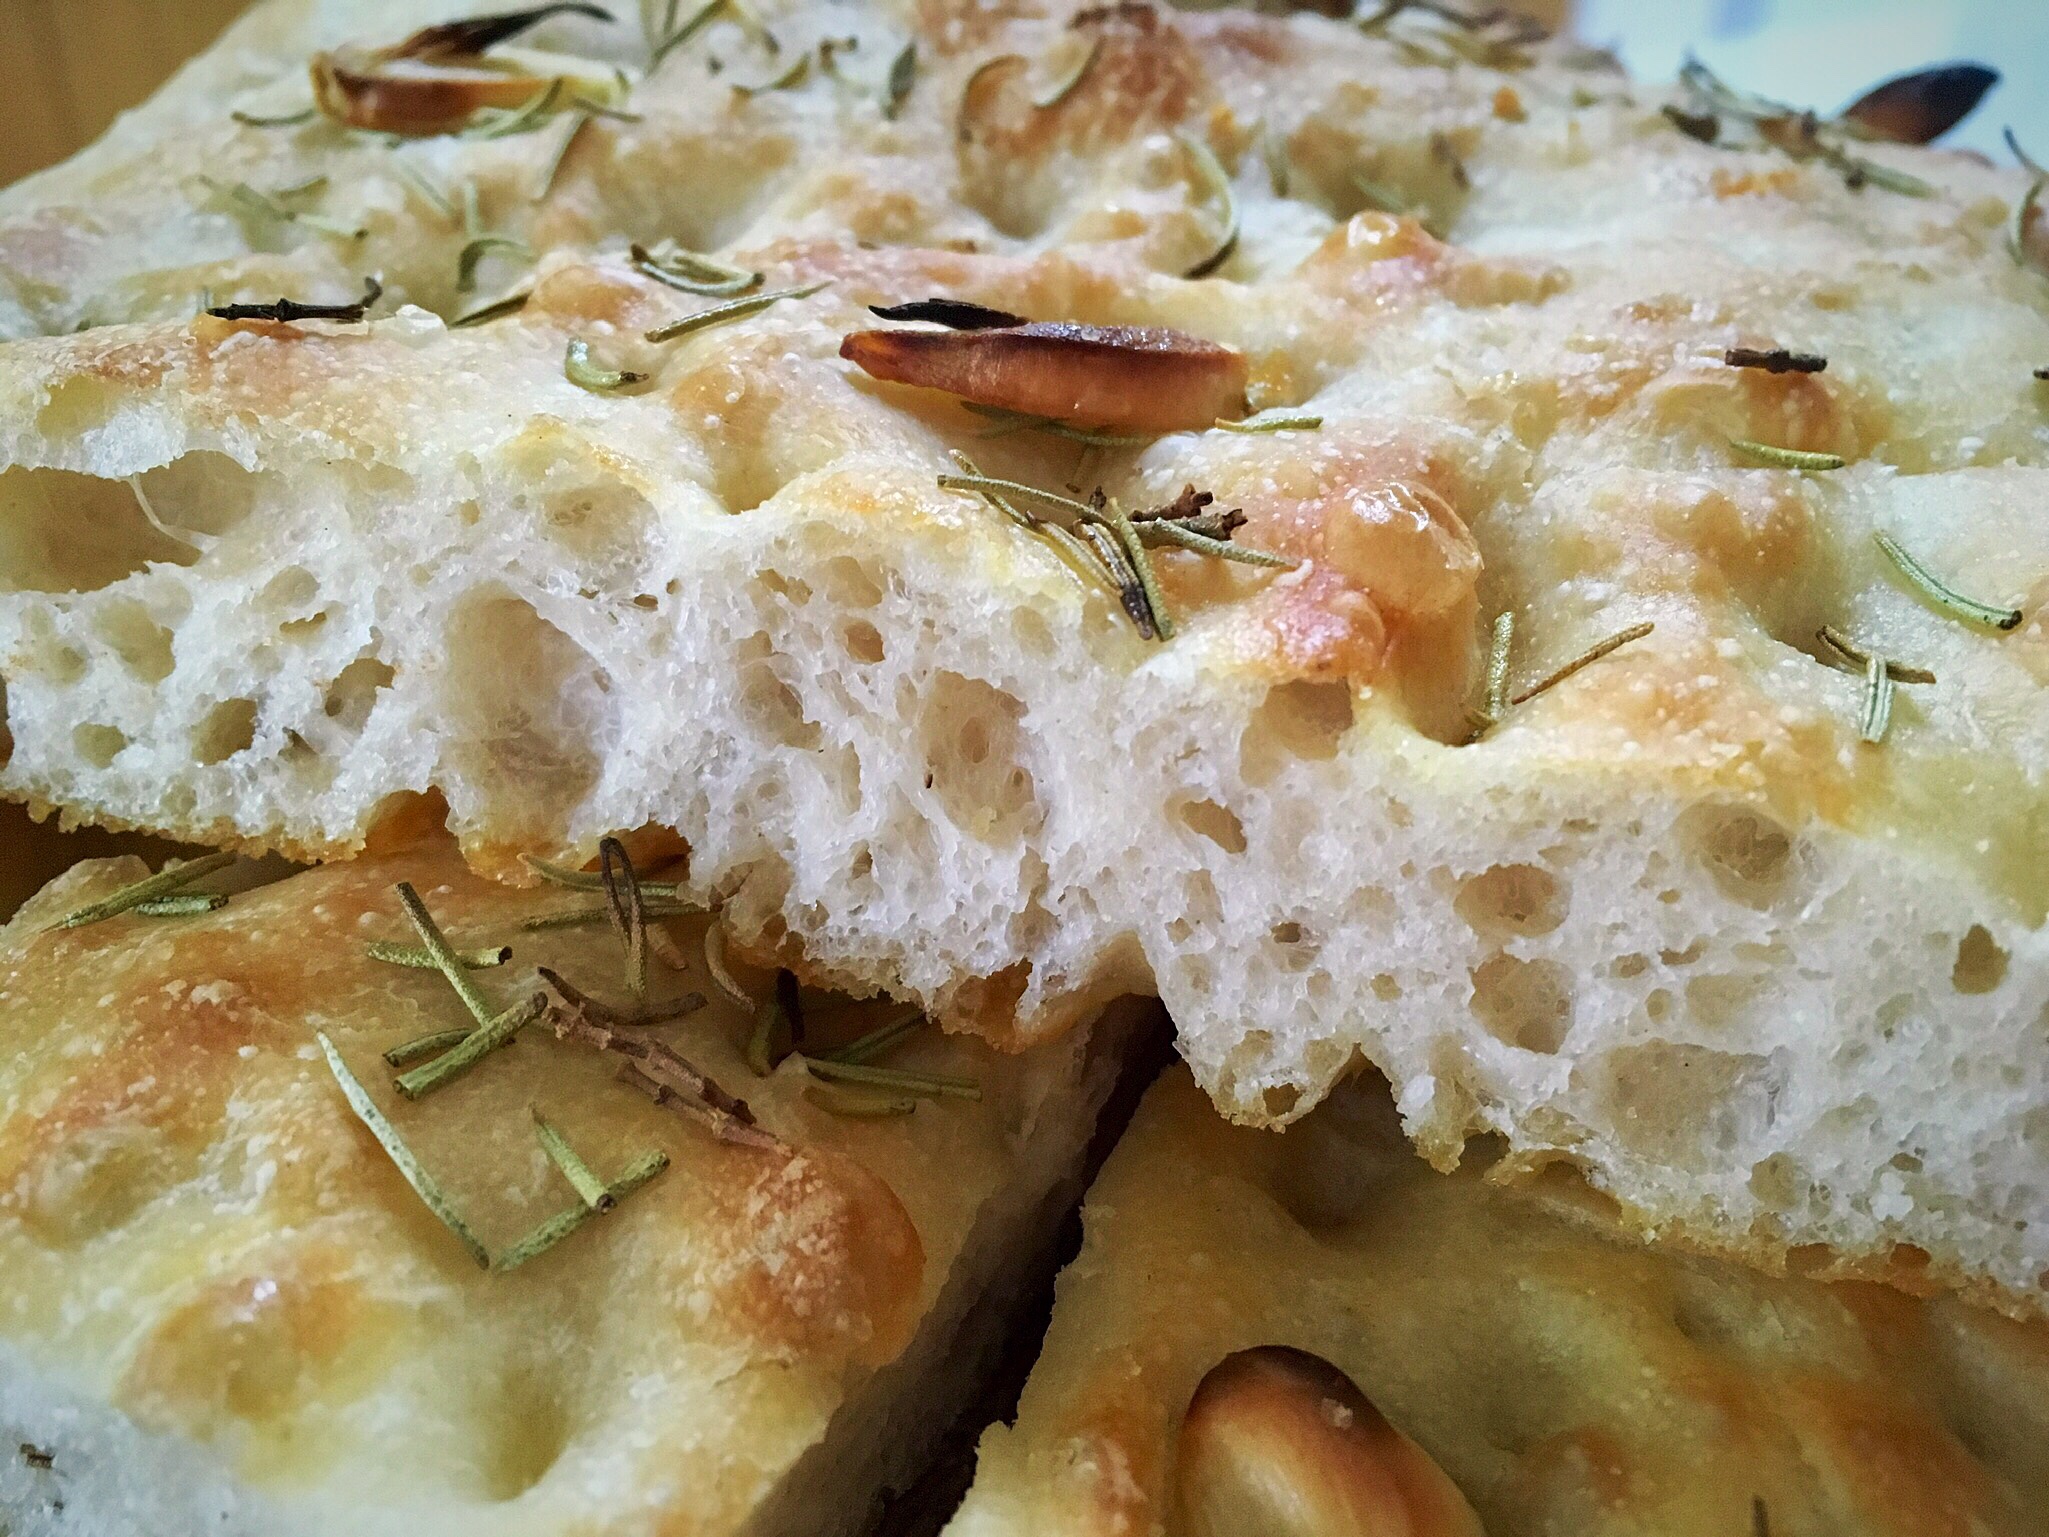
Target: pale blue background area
column 1823, row 53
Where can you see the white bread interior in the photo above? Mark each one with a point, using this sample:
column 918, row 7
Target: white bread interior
column 1772, row 987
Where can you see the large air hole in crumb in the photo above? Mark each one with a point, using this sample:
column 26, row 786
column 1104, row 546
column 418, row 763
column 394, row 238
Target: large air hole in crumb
column 1512, row 899
column 1034, row 635
column 849, row 584
column 226, row 729
column 1298, row 720
column 863, row 642
column 1777, row 1183
column 1980, row 963
column 1716, row 998
column 143, row 645
column 201, row 493
column 1217, row 823
column 1526, row 1003
column 291, row 593
column 353, row 694
column 1749, row 855
column 599, row 522
column 98, row 745
column 61, row 532
column 769, row 700
column 528, row 712
column 972, row 736
column 1671, row 1100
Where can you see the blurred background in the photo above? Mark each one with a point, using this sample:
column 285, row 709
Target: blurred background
column 68, row 66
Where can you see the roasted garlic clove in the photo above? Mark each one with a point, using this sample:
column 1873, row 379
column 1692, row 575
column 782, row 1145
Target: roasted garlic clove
column 1280, row 1443
column 1107, row 378
column 438, row 79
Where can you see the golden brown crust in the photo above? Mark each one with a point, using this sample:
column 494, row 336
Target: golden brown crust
column 195, row 1229
column 1562, row 1375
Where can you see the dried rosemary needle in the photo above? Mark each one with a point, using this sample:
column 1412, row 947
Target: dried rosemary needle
column 171, row 878
column 409, row 1167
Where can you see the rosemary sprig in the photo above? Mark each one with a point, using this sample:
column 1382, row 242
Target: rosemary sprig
column 1943, row 596
column 611, row 1018
column 438, row 200
column 1109, row 552
column 1775, row 360
column 1878, row 692
column 422, row 959
column 490, row 124
column 690, row 271
column 579, row 369
column 721, row 314
column 589, row 1188
column 579, row 120
column 867, row 1047
column 991, row 486
column 756, row 29
column 628, row 908
column 594, row 880
column 1158, row 531
column 778, row 1025
column 903, row 74
column 1009, row 421
column 1841, row 644
column 410, row 1168
column 2027, row 161
column 283, row 120
column 926, row 1085
column 166, row 881
column 1063, row 87
column 658, row 1070
column 444, row 958
column 701, row 18
column 184, row 905
column 715, row 967
column 1214, row 185
column 829, row 51
column 270, row 208
column 794, row 75
column 1297, row 423
column 1797, row 134
column 480, row 242
column 420, row 1047
column 1586, row 658
column 497, row 309
column 583, row 917
column 561, row 1225
column 290, row 310
column 857, row 1105
column 1786, row 458
column 2023, row 212
column 1142, row 564
column 423, row 1080
column 1073, row 553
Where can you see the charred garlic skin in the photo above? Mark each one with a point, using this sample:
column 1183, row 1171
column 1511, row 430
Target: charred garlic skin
column 1277, row 1442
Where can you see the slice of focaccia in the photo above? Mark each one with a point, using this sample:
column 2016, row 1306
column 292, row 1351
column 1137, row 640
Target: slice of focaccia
column 1560, row 1377
column 223, row 1310
column 1706, row 886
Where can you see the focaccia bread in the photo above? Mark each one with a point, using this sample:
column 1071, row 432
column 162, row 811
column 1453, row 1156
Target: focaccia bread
column 1565, row 1379
column 1671, row 917
column 223, row 1311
